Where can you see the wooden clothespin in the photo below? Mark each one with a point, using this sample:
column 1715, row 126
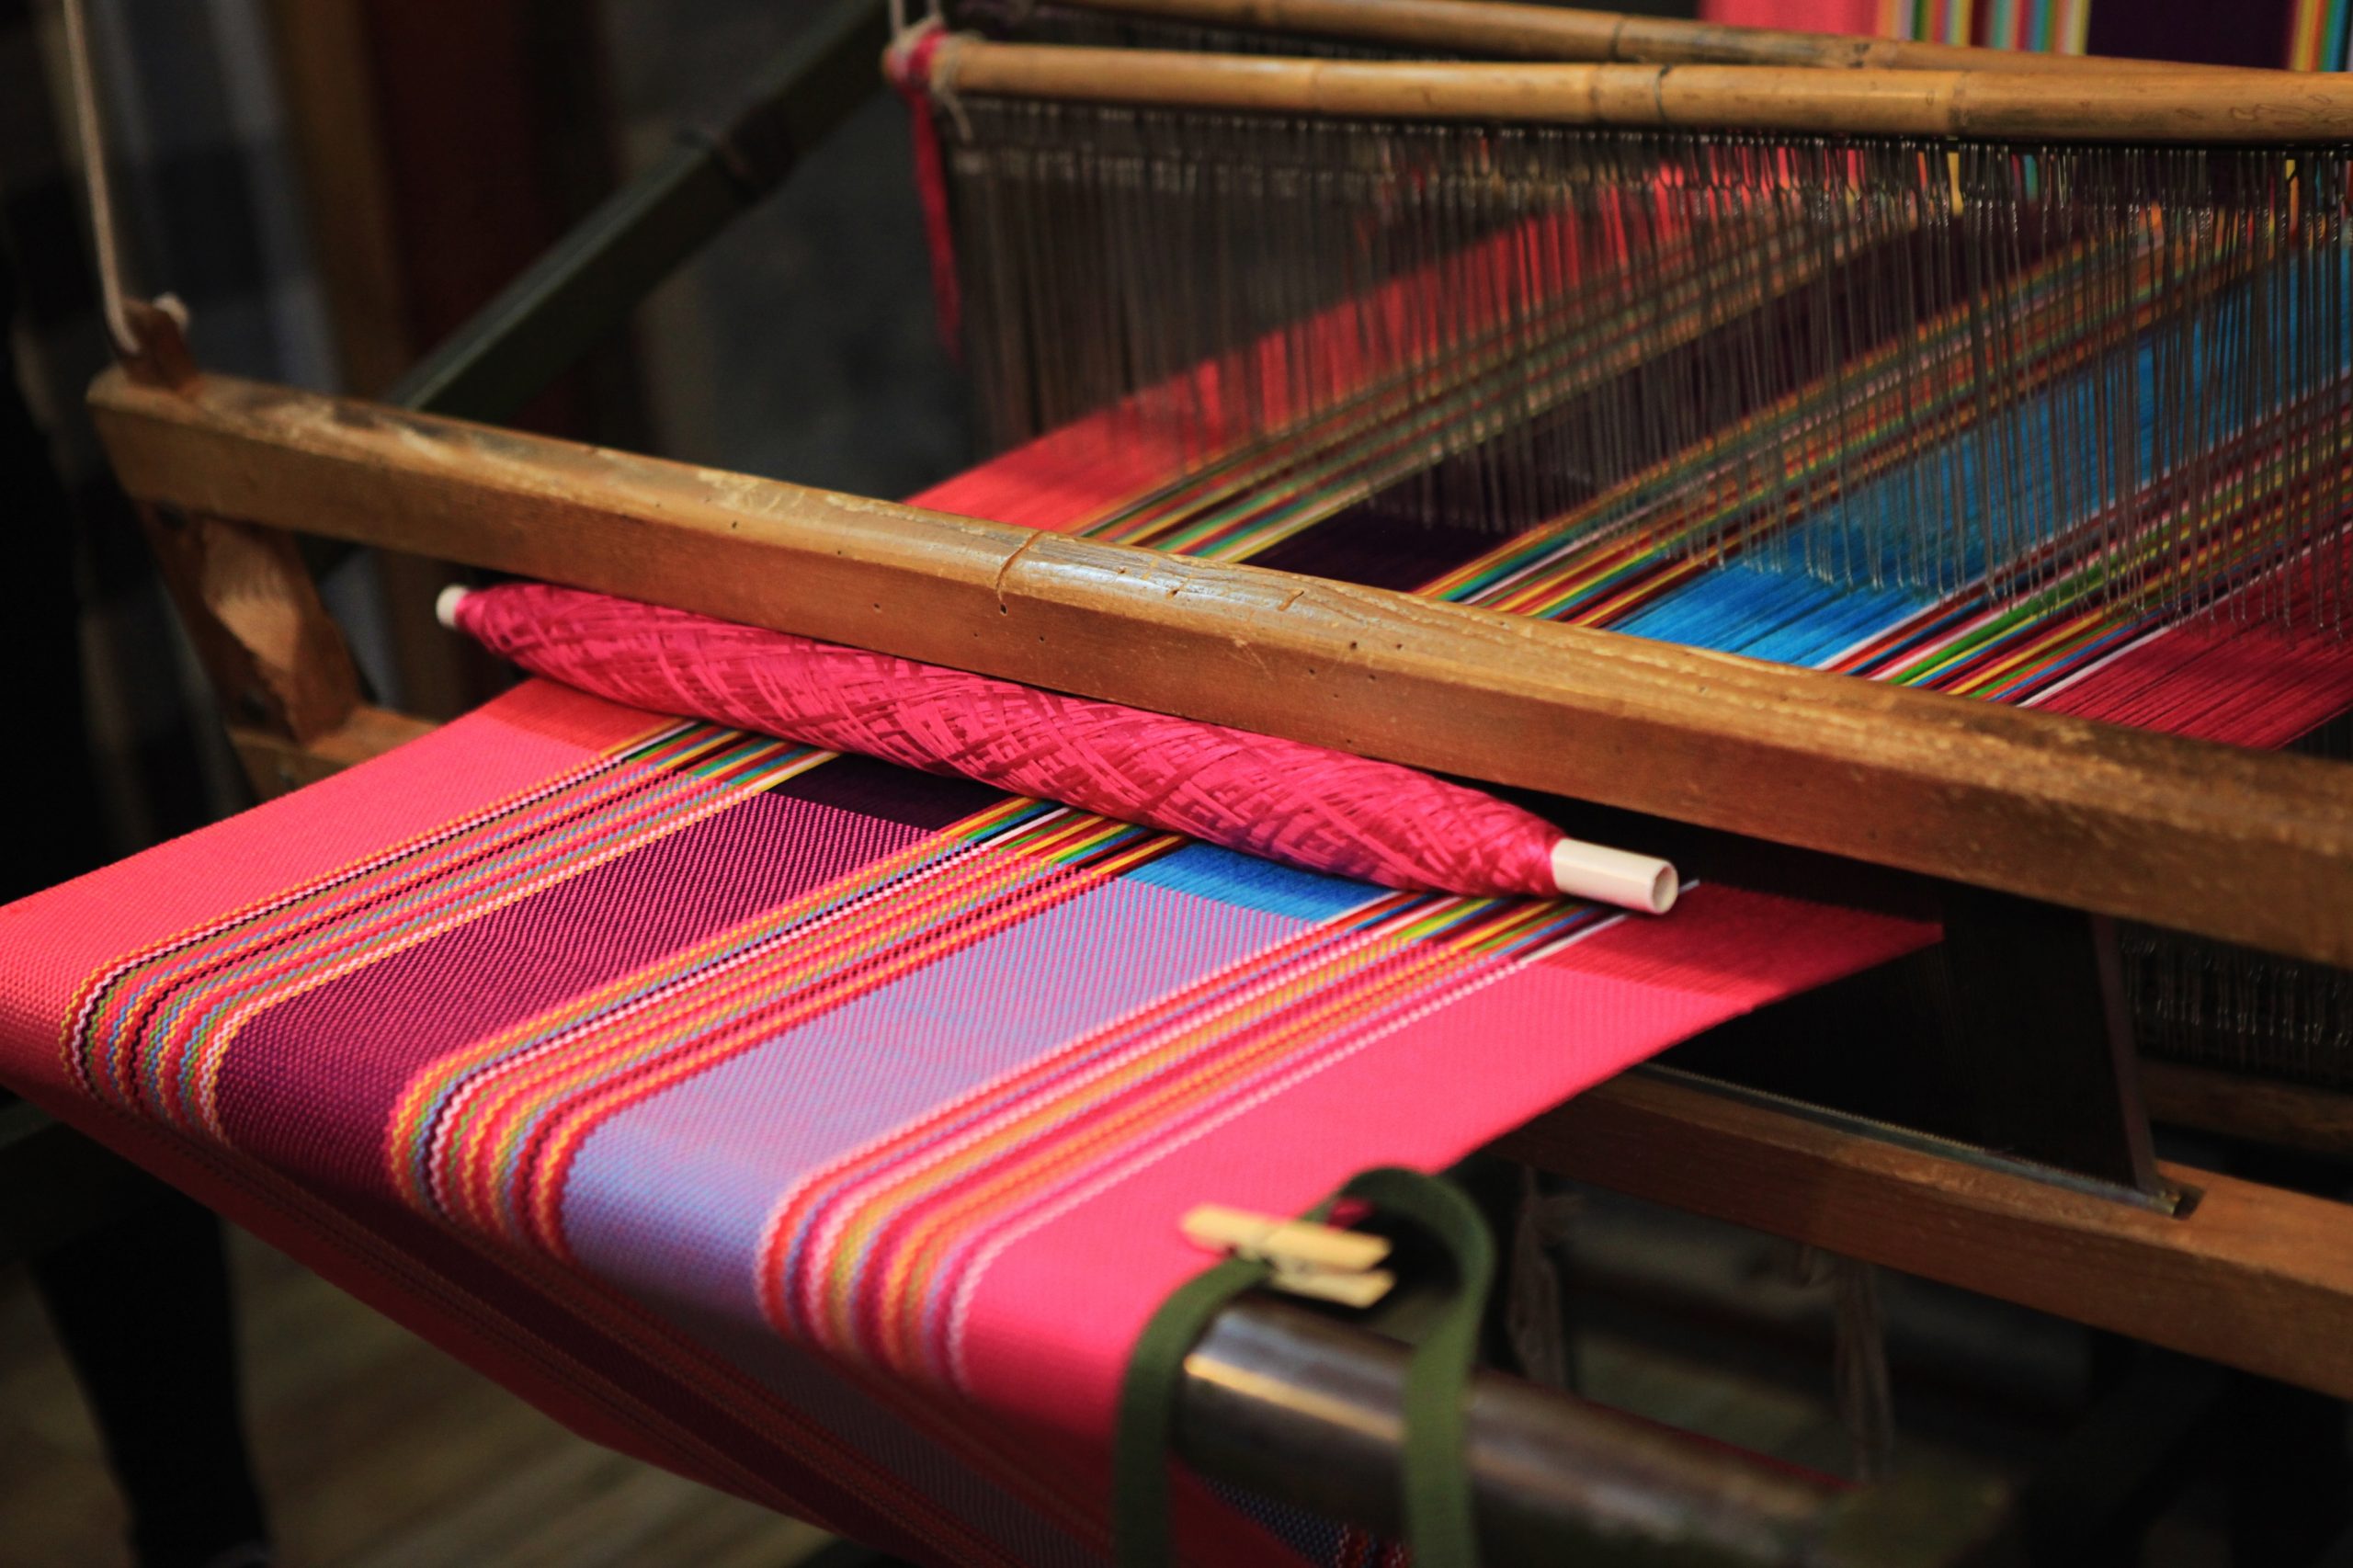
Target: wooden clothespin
column 1309, row 1260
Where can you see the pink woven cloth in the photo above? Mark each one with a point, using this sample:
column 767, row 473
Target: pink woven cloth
column 1306, row 806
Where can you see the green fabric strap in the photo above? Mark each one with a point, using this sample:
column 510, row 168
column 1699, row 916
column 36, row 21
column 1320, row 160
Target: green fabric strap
column 1440, row 1525
column 1147, row 1420
column 1436, row 1503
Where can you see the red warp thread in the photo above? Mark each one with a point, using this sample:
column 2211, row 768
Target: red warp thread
column 912, row 78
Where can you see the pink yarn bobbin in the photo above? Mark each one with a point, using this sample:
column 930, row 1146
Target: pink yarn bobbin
column 1306, row 806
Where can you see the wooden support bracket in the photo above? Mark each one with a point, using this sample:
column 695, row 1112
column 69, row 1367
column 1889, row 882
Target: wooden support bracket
column 276, row 660
column 276, row 762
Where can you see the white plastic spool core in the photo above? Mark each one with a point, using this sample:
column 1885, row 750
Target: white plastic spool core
column 1615, row 876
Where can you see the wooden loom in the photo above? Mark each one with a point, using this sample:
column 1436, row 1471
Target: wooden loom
column 2049, row 814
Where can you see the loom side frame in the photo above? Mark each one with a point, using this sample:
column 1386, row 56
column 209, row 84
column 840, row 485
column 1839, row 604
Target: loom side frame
column 2252, row 1276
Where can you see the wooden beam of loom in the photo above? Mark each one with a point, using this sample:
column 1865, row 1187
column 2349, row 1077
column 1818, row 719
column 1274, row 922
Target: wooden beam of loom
column 1519, row 31
column 2165, row 104
column 2247, row 847
column 2245, row 1105
column 2254, row 1276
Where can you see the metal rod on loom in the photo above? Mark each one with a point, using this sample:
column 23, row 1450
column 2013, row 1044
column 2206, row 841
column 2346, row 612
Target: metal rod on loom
column 2162, row 105
column 1513, row 31
column 1305, row 1409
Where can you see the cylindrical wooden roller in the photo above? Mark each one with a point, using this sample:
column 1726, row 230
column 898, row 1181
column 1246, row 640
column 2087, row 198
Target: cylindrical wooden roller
column 2160, row 105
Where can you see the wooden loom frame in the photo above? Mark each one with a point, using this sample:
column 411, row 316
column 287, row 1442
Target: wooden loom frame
column 224, row 465
column 2251, row 849
column 2160, row 104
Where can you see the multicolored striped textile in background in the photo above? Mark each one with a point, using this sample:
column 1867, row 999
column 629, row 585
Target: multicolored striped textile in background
column 2319, row 36
column 2057, row 26
column 2312, row 35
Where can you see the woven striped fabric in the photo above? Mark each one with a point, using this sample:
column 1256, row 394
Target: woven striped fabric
column 812, row 1127
column 2303, row 35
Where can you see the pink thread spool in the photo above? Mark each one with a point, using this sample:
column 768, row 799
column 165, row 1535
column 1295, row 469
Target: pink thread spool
column 1307, row 806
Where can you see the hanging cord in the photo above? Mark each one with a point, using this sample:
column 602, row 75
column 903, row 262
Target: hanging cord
column 1440, row 1523
column 921, row 63
column 1536, row 1316
column 947, row 53
column 147, row 336
column 97, row 179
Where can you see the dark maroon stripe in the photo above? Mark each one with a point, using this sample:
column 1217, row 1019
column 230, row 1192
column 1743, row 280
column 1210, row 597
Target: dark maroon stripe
column 2251, row 32
column 896, row 794
column 1363, row 545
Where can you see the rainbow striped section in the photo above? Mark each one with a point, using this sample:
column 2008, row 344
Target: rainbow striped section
column 2051, row 27
column 2318, row 35
column 147, row 1033
column 874, row 1255
column 485, row 1138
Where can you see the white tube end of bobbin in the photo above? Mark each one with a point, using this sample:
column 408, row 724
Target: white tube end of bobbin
column 445, row 603
column 1615, row 876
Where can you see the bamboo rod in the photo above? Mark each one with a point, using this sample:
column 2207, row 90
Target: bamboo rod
column 1504, row 30
column 2164, row 105
column 2246, row 847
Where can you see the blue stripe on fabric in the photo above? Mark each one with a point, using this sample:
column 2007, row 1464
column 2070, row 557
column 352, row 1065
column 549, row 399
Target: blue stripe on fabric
column 1251, row 883
column 1770, row 614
